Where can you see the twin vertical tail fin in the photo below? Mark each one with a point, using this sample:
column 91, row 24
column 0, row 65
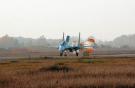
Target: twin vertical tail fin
column 79, row 39
column 63, row 36
column 67, row 39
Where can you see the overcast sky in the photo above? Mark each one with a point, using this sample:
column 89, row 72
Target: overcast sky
column 104, row 19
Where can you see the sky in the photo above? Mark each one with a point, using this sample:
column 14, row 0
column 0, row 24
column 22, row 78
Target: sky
column 103, row 19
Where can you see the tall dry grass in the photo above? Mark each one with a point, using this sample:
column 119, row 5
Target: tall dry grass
column 117, row 73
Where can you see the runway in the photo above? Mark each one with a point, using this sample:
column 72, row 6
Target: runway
column 72, row 57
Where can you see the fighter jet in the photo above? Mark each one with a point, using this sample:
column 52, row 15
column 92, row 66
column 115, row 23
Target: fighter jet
column 65, row 46
column 87, row 47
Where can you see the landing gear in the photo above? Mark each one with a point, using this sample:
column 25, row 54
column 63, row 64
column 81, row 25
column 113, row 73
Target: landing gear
column 61, row 53
column 77, row 54
column 65, row 53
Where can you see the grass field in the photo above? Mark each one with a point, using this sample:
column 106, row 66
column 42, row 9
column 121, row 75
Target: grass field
column 68, row 73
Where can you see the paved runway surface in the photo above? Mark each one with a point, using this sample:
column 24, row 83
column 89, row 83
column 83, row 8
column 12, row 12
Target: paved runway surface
column 66, row 57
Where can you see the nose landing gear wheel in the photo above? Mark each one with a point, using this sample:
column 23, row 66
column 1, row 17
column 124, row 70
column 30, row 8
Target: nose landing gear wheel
column 65, row 54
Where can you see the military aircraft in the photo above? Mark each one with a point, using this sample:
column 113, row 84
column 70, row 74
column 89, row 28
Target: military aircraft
column 86, row 47
column 65, row 46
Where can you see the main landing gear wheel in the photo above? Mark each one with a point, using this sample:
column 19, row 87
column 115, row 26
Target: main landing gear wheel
column 77, row 54
column 61, row 53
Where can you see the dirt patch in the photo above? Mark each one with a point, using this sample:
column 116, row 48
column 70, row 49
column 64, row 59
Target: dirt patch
column 14, row 61
column 57, row 68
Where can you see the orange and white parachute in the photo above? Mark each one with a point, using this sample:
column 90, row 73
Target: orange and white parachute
column 88, row 45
